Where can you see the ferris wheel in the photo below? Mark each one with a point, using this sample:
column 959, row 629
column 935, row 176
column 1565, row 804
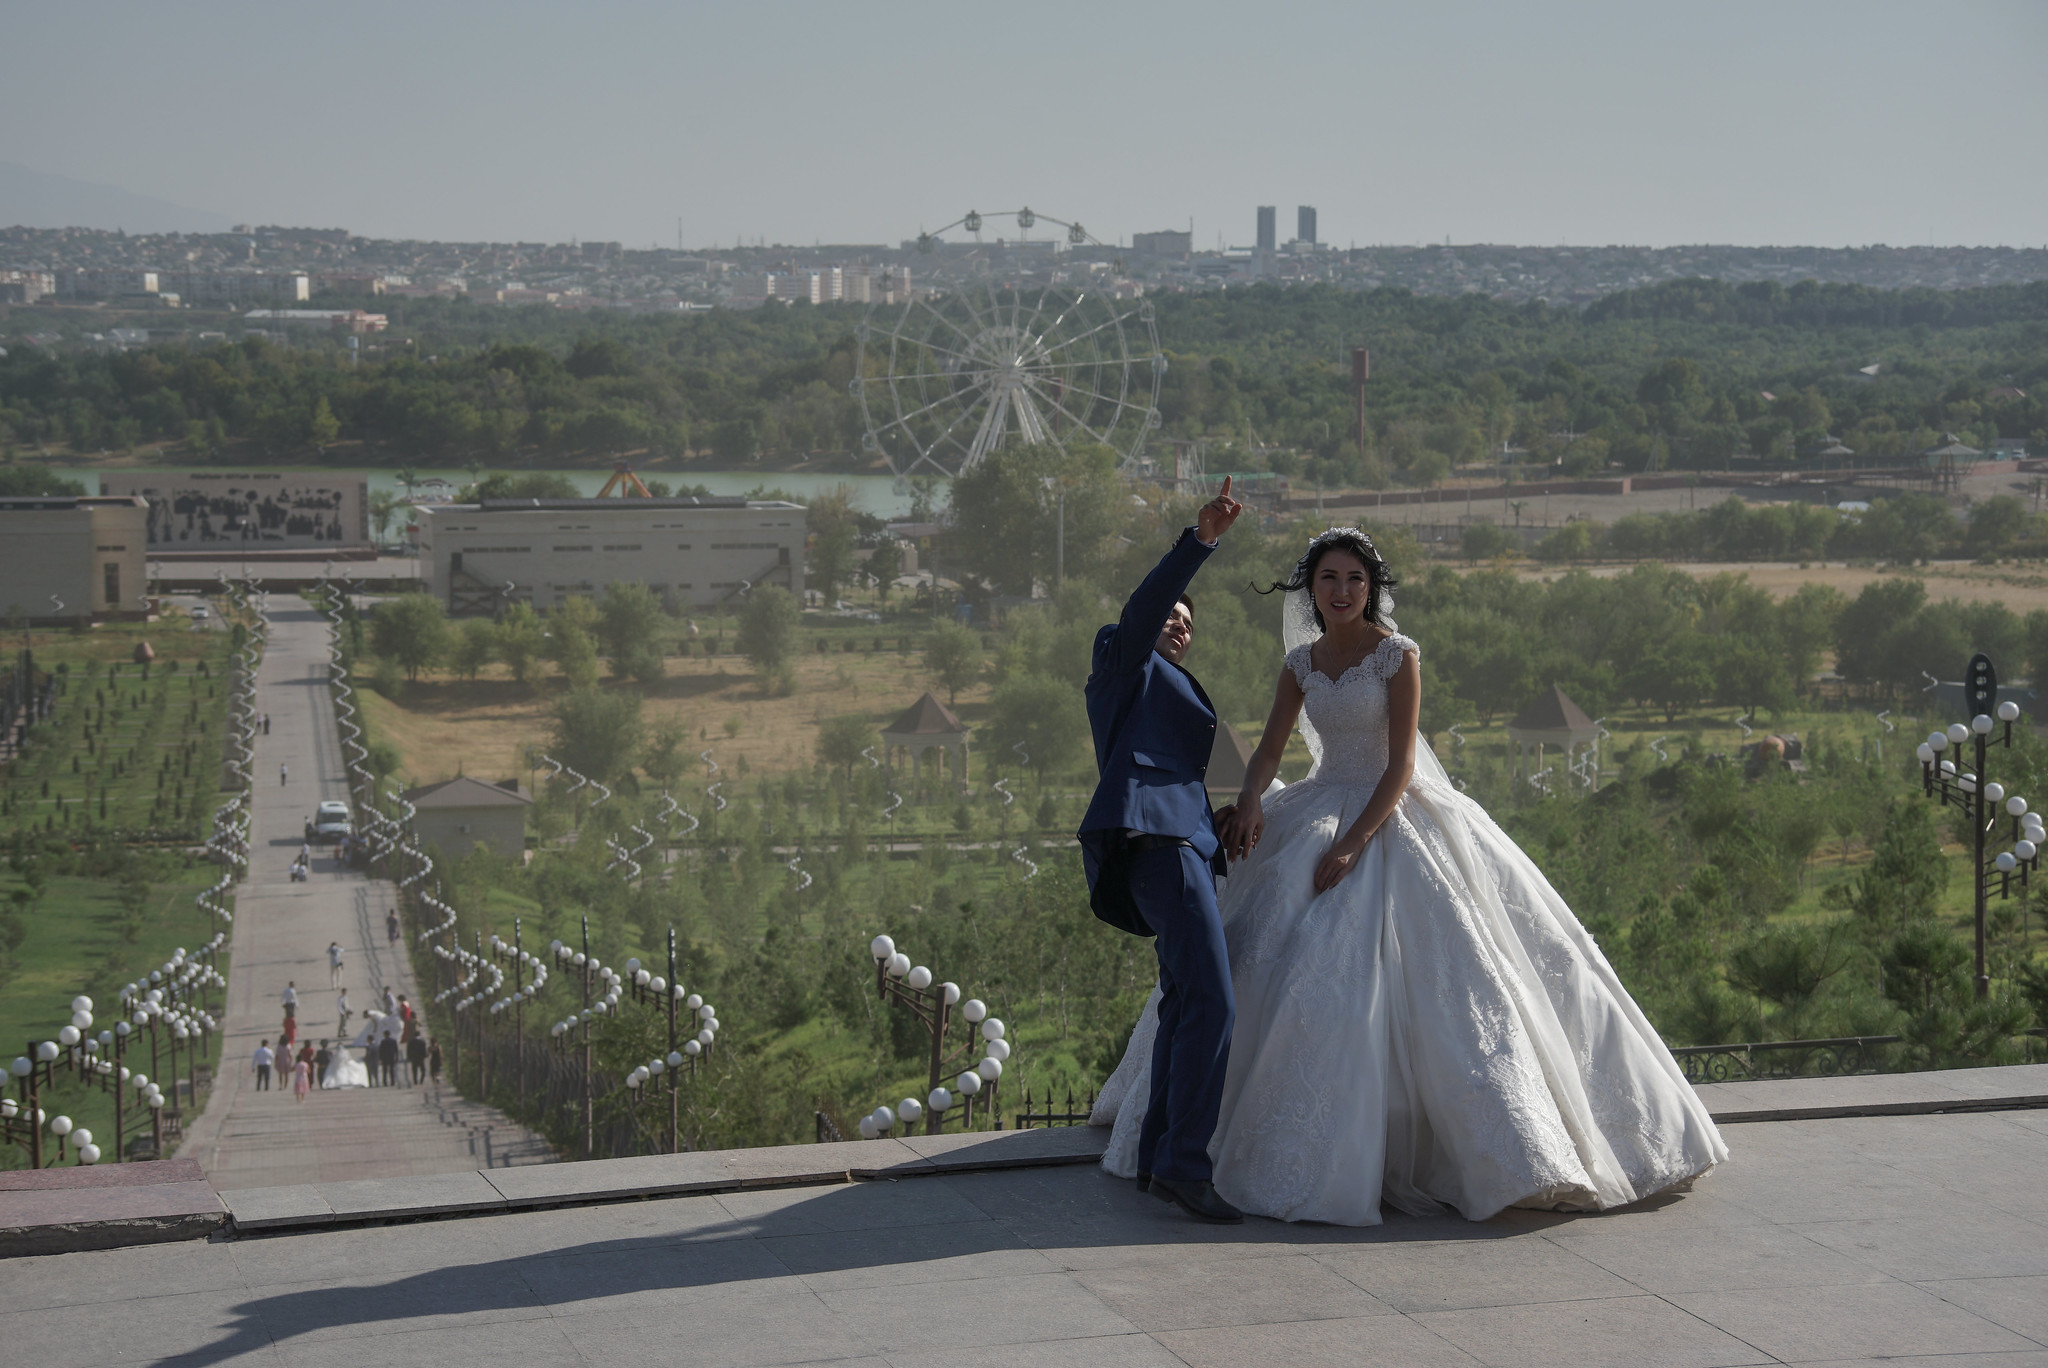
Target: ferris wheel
column 1014, row 339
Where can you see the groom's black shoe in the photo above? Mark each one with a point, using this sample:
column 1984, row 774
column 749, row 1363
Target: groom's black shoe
column 1144, row 1182
column 1198, row 1199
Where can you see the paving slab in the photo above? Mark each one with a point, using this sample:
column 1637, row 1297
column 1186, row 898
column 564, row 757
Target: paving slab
column 1037, row 1148
column 1804, row 1324
column 79, row 1207
column 1820, row 1241
column 1904, row 1094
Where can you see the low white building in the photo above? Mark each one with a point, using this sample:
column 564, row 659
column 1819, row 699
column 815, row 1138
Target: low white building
column 694, row 552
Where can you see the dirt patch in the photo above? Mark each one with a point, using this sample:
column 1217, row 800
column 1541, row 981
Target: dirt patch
column 444, row 726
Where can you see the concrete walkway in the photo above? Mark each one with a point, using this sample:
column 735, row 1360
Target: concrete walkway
column 247, row 1138
column 1900, row 1239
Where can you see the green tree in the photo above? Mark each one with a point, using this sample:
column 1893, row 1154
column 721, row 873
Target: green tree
column 666, row 755
column 630, row 623
column 767, row 630
column 841, row 741
column 411, row 630
column 830, row 559
column 1483, row 541
column 952, row 656
column 383, row 505
column 885, row 565
column 1042, row 716
column 322, row 427
column 475, row 646
column 572, row 641
column 522, row 639
column 597, row 732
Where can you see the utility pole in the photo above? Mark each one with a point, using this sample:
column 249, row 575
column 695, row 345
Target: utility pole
column 1361, row 371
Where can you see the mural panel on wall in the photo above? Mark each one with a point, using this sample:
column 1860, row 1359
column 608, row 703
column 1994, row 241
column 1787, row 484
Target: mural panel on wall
column 271, row 511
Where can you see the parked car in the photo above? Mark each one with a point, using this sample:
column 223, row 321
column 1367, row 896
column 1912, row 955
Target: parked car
column 331, row 821
column 201, row 613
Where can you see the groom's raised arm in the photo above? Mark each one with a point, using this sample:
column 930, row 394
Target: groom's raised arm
column 1128, row 644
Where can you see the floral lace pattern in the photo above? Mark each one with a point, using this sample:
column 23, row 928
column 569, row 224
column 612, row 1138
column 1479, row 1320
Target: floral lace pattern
column 1435, row 1029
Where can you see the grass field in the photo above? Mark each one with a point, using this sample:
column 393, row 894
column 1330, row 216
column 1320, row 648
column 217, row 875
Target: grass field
column 138, row 755
column 81, row 939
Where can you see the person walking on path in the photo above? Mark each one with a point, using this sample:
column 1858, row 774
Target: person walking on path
column 416, row 1059
column 390, row 1001
column 334, row 964
column 302, row 1079
column 288, row 1035
column 261, row 1063
column 387, row 1058
column 341, row 1008
column 290, row 997
column 284, row 775
column 391, row 926
column 434, row 1061
column 321, row 1059
column 266, row 724
column 405, row 1013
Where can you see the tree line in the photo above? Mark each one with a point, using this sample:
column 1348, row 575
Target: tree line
column 1681, row 375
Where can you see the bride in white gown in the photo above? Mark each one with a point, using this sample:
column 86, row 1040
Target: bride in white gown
column 1420, row 1018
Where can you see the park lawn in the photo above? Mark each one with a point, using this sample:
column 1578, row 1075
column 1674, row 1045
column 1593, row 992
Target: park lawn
column 77, row 943
column 135, row 755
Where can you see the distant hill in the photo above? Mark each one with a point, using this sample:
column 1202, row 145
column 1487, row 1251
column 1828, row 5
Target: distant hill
column 37, row 199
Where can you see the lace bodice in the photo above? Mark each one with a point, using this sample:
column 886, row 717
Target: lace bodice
column 1348, row 714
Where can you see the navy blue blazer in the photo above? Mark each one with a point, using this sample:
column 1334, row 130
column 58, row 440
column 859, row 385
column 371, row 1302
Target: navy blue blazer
column 1154, row 727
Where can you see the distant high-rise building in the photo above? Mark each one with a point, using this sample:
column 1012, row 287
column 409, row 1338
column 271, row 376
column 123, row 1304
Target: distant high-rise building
column 1170, row 242
column 1305, row 223
column 1269, row 228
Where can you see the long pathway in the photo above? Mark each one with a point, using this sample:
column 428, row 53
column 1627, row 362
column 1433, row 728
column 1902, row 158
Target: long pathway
column 250, row 1138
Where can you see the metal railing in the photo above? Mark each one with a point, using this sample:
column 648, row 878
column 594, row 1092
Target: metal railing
column 1783, row 1059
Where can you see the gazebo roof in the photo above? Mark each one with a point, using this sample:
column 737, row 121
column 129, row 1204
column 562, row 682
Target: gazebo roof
column 1229, row 757
column 927, row 717
column 1952, row 446
column 1552, row 716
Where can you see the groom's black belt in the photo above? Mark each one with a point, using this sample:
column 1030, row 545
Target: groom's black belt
column 1139, row 841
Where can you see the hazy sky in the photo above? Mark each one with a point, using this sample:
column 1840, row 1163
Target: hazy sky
column 1794, row 121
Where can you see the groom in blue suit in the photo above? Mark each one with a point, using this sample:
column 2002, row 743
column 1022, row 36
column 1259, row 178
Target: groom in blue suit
column 1150, row 851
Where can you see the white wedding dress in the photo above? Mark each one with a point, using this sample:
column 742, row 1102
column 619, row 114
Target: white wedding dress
column 1436, row 1029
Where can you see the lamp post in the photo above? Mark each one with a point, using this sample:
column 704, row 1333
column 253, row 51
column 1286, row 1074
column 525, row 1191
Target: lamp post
column 910, row 987
column 680, row 1008
column 1979, row 799
column 643, row 986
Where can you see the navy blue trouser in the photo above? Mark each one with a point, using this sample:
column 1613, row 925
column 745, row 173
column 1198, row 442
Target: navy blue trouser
column 1176, row 894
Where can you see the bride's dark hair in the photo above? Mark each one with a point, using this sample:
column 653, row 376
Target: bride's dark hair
column 1356, row 543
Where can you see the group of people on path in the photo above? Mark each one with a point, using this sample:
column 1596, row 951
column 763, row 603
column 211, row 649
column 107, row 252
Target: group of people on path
column 389, row 1035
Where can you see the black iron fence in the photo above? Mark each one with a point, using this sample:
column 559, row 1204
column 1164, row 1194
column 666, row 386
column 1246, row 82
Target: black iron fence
column 1784, row 1059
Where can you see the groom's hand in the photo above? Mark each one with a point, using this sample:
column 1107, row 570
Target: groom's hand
column 1217, row 515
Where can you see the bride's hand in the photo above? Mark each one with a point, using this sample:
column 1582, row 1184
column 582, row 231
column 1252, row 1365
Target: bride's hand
column 1242, row 829
column 1337, row 861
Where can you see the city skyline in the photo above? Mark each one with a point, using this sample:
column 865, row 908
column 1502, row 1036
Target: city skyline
column 1827, row 124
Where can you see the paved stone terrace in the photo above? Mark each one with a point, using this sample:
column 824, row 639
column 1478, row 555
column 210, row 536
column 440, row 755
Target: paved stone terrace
column 247, row 1138
column 1914, row 1239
